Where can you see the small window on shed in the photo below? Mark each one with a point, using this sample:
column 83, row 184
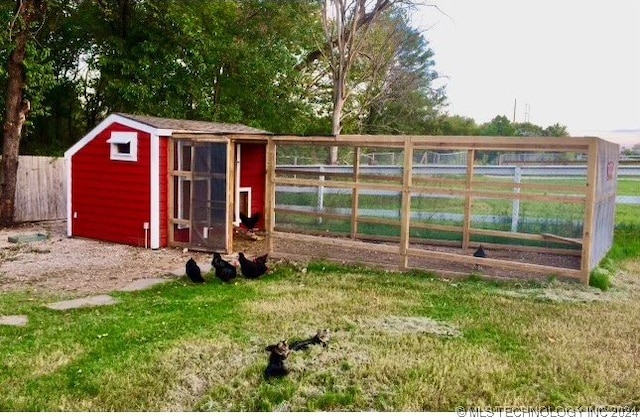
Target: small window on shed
column 124, row 146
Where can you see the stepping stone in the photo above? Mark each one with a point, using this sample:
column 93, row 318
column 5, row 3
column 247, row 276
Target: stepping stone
column 143, row 284
column 13, row 321
column 34, row 237
column 97, row 300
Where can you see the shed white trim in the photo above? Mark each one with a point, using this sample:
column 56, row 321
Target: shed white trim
column 111, row 119
column 124, row 146
column 154, row 214
column 69, row 218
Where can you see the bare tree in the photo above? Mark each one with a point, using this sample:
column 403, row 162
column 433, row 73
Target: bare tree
column 346, row 24
column 27, row 13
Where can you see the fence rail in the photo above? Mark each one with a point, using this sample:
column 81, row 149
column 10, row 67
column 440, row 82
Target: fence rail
column 41, row 187
column 516, row 172
column 497, row 170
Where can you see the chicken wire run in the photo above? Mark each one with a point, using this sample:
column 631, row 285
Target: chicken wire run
column 416, row 213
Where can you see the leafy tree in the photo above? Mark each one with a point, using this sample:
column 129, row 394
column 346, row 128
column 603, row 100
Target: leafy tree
column 225, row 60
column 452, row 126
column 527, row 129
column 499, row 126
column 346, row 24
column 555, row 130
column 404, row 99
column 24, row 83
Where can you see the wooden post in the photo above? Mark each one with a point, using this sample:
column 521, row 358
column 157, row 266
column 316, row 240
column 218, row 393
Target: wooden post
column 355, row 195
column 170, row 190
column 231, row 193
column 587, row 230
column 405, row 217
column 515, row 207
column 192, row 186
column 320, row 207
column 270, row 194
column 468, row 200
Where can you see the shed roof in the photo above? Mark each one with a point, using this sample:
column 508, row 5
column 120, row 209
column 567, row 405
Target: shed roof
column 193, row 126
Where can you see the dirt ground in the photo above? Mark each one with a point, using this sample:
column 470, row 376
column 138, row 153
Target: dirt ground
column 84, row 266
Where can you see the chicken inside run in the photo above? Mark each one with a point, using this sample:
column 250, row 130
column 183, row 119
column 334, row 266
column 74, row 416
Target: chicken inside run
column 539, row 207
column 495, row 207
column 512, row 214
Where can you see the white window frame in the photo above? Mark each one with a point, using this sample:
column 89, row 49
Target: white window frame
column 123, row 138
column 247, row 191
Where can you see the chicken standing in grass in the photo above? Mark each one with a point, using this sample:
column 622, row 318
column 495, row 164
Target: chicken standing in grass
column 226, row 271
column 251, row 269
column 261, row 259
column 193, row 271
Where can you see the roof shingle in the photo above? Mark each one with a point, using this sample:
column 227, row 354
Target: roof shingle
column 193, row 126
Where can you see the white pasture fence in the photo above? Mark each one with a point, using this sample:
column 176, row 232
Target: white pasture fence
column 515, row 172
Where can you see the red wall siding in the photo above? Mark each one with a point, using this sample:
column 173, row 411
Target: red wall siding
column 111, row 198
column 253, row 171
column 164, row 191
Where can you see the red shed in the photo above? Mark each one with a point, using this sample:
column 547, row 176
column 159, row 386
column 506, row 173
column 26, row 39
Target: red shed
column 156, row 182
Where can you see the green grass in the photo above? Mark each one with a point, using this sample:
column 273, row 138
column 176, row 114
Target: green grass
column 186, row 347
column 628, row 186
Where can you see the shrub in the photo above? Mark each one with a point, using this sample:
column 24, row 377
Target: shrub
column 600, row 278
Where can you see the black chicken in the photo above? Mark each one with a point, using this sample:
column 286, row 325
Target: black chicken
column 262, row 259
column 251, row 269
column 250, row 222
column 480, row 253
column 193, row 271
column 224, row 270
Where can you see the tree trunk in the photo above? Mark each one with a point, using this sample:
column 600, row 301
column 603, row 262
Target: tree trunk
column 336, row 124
column 17, row 106
column 341, row 25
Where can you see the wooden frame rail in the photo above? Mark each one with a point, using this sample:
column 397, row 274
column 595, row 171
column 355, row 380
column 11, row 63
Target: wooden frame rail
column 470, row 188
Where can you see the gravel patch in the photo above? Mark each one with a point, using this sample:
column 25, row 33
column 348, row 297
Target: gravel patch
column 82, row 266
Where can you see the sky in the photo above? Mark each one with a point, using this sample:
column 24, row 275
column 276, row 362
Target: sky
column 571, row 62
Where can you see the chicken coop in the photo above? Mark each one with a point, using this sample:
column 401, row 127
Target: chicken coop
column 539, row 207
column 156, row 182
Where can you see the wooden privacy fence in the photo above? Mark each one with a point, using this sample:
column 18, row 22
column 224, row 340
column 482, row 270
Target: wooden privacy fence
column 41, row 189
column 555, row 228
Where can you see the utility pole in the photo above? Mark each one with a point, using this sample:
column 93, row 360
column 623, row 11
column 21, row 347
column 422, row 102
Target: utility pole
column 515, row 101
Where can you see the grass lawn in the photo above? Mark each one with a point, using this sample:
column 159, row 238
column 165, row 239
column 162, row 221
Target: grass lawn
column 399, row 342
column 186, row 347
